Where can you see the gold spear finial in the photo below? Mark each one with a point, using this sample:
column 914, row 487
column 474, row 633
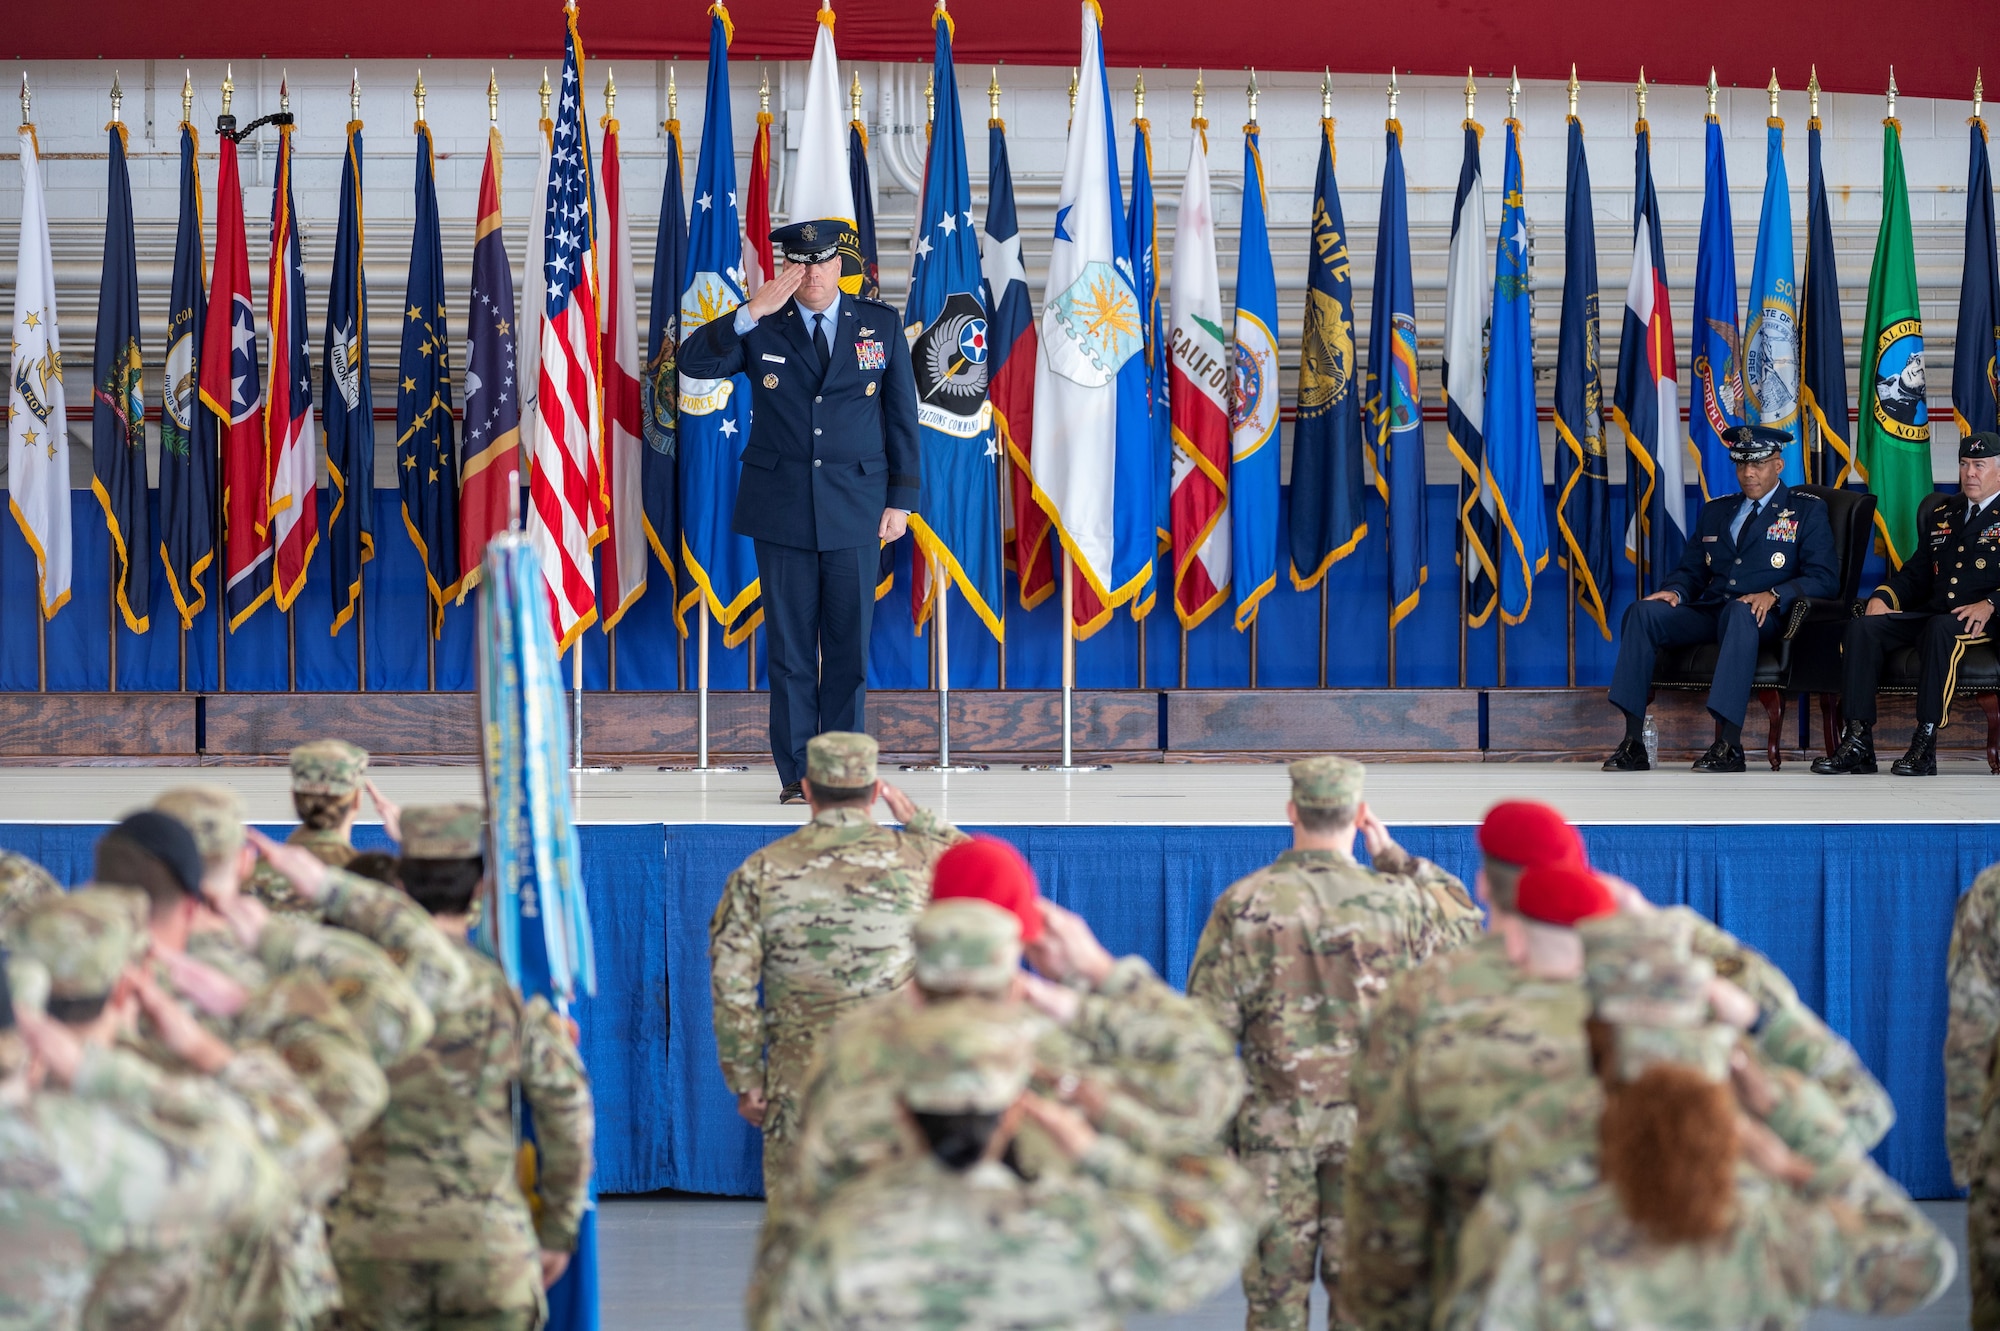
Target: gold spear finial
column 187, row 96
column 418, row 93
column 492, row 96
column 117, row 97
column 610, row 94
column 1395, row 92
column 1978, row 91
column 284, row 92
column 1812, row 93
column 1139, row 96
column 1574, row 88
column 1251, row 93
column 1713, row 89
column 1641, row 90
column 1072, row 92
column 930, row 97
column 764, row 93
column 993, row 96
column 1471, row 94
column 354, row 95
column 1892, row 92
column 545, row 90
column 1200, row 94
column 854, row 96
column 228, row 87
column 1772, row 89
column 1326, row 93
column 673, row 96
column 1514, row 94
column 27, row 101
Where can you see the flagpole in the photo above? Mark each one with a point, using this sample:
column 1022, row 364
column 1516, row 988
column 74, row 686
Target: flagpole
column 1569, row 622
column 702, row 765
column 1322, row 637
column 111, row 622
column 360, row 639
column 940, row 622
column 1068, row 765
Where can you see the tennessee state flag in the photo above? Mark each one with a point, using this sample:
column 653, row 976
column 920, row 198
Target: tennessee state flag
column 289, row 437
column 232, row 388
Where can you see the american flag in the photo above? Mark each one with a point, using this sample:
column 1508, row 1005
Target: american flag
column 566, row 496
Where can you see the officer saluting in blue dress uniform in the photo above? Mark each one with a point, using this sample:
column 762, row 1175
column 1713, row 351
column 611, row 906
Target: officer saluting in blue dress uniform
column 1750, row 556
column 1941, row 600
column 830, row 471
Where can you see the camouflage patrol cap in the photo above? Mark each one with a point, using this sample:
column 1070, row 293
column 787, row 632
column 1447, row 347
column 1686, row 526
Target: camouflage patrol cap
column 967, row 1062
column 27, row 981
column 85, row 939
column 22, row 883
column 841, row 758
column 1326, row 782
column 966, row 946
column 443, row 832
column 213, row 813
column 1642, row 970
column 1706, row 1049
column 328, row 767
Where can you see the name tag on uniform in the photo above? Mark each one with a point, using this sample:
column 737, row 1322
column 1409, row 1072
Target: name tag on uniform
column 1786, row 528
column 872, row 355
column 1711, row 538
column 775, row 360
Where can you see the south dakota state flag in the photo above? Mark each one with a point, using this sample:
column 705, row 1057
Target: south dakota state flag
column 1327, row 522
column 1253, row 407
column 1513, row 439
column 1091, row 470
column 715, row 413
column 958, row 511
column 1716, row 346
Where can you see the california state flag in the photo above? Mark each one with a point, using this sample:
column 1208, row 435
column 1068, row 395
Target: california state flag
column 1198, row 388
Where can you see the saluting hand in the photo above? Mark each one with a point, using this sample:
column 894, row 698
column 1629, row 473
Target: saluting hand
column 771, row 297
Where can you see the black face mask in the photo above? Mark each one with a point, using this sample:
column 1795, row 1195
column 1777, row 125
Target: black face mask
column 6, row 995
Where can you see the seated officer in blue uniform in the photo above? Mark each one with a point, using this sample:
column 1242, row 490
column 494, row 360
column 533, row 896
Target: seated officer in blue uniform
column 829, row 474
column 1942, row 599
column 1751, row 555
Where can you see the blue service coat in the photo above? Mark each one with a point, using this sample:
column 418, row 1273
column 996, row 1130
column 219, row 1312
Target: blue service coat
column 1788, row 549
column 827, row 453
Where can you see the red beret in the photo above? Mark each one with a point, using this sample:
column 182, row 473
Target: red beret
column 1561, row 894
column 989, row 869
column 1525, row 833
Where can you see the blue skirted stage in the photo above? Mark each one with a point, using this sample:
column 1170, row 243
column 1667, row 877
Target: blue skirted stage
column 1857, row 913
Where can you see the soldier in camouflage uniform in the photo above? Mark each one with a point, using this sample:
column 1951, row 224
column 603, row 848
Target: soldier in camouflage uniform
column 1290, row 961
column 235, row 935
column 1971, row 1092
column 328, row 776
column 955, row 1237
column 1800, row 1219
column 434, row 1228
column 207, row 1183
column 22, row 883
column 1547, row 1150
column 1450, row 1046
column 821, row 920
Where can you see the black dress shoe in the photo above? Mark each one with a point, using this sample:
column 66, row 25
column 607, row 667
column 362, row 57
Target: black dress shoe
column 1854, row 754
column 793, row 793
column 1722, row 756
column 1921, row 760
column 1629, row 756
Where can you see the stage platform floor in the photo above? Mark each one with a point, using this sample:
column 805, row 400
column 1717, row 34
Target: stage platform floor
column 1153, row 794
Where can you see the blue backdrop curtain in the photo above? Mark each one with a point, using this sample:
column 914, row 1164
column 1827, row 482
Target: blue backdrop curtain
column 1860, row 920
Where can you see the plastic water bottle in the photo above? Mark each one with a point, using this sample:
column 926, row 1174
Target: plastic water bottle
column 1650, row 736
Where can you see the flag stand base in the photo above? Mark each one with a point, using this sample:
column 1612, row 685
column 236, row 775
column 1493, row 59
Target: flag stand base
column 702, row 767
column 1068, row 766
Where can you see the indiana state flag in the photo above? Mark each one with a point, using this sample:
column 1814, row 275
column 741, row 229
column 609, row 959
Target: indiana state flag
column 1327, row 520
column 958, row 512
column 424, row 448
column 715, row 413
column 1091, row 469
column 1716, row 345
column 348, row 402
column 1513, row 438
column 1771, row 330
column 1253, row 406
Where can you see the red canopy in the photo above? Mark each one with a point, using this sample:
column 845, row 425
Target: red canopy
column 1935, row 46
